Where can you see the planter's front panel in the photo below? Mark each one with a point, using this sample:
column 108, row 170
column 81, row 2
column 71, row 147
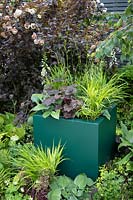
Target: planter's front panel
column 87, row 144
column 81, row 143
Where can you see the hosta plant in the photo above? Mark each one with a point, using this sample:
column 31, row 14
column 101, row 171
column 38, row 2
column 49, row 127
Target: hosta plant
column 63, row 187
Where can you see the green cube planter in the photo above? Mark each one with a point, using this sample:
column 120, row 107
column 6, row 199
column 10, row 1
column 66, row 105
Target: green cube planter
column 88, row 144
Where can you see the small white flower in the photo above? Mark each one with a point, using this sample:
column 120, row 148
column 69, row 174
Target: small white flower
column 33, row 25
column 102, row 4
column 22, row 189
column 27, row 25
column 31, row 11
column 14, row 138
column 98, row 1
column 41, row 42
column 17, row 13
column 36, row 41
column 30, row 198
column 104, row 10
column 14, row 31
column 39, row 16
column 7, row 182
column 43, row 72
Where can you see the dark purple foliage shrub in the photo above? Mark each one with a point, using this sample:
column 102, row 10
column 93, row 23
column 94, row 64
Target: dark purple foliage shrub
column 61, row 29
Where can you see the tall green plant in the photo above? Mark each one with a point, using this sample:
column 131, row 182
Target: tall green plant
column 34, row 161
column 56, row 77
column 98, row 93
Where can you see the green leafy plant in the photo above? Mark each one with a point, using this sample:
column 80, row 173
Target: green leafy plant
column 4, row 177
column 8, row 130
column 56, row 77
column 13, row 192
column 110, row 185
column 10, row 135
column 127, row 142
column 120, row 38
column 98, row 94
column 34, row 161
column 63, row 187
column 125, row 109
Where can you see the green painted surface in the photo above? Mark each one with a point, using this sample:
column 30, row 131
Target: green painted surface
column 88, row 144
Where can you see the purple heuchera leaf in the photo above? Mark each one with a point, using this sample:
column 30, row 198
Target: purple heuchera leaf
column 70, row 90
column 58, row 107
column 52, row 92
column 69, row 115
column 67, row 100
column 49, row 101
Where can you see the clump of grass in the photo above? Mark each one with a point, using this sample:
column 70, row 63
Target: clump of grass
column 34, row 161
column 58, row 77
column 97, row 93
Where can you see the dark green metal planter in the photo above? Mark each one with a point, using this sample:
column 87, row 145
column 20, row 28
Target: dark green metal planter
column 88, row 144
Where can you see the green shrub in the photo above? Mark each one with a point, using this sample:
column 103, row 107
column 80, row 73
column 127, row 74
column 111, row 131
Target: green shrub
column 114, row 182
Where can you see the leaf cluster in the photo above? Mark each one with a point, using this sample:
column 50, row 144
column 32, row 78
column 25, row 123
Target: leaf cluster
column 126, row 141
column 63, row 187
column 111, row 184
column 125, row 109
column 120, row 38
column 9, row 136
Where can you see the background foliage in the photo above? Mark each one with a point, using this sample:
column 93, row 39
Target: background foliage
column 64, row 30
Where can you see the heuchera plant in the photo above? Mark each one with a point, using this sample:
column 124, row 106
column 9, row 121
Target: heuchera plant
column 57, row 103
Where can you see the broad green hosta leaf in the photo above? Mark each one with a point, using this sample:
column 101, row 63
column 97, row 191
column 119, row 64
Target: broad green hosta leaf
column 20, row 132
column 30, row 120
column 72, row 198
column 130, row 136
column 54, row 195
column 126, row 159
column 124, row 129
column 124, row 143
column 37, row 98
column 47, row 114
column 77, row 192
column 129, row 166
column 55, row 114
column 81, row 181
column 38, row 107
column 90, row 182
